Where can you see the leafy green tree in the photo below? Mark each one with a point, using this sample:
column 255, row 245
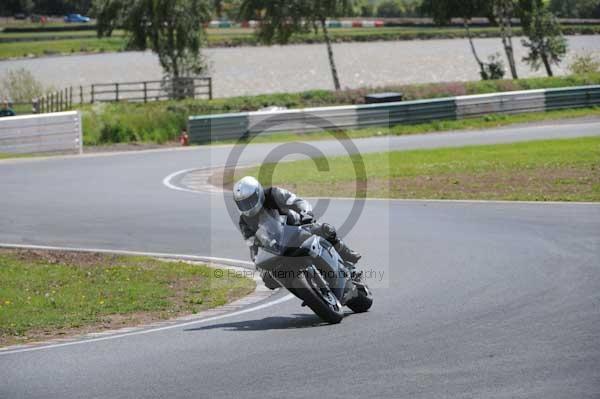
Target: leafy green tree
column 52, row 7
column 173, row 29
column 389, row 9
column 280, row 19
column 218, row 6
column 108, row 14
column 398, row 8
column 364, row 8
column 545, row 41
column 231, row 9
column 575, row 8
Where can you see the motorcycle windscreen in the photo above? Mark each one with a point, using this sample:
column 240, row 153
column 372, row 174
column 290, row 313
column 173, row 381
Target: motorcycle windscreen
column 271, row 231
column 276, row 236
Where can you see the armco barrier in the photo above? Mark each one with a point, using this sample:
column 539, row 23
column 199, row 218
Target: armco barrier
column 209, row 128
column 55, row 132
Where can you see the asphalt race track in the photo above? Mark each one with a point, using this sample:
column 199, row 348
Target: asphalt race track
column 475, row 299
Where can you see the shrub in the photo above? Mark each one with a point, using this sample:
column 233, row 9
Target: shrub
column 20, row 85
column 584, row 64
column 494, row 68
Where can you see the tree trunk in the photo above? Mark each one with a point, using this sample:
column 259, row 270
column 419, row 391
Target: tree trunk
column 547, row 64
column 334, row 73
column 473, row 50
column 506, row 34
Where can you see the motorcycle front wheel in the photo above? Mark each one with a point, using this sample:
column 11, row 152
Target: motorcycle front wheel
column 319, row 298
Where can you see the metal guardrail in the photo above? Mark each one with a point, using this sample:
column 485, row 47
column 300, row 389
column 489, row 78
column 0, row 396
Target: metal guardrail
column 208, row 128
column 29, row 134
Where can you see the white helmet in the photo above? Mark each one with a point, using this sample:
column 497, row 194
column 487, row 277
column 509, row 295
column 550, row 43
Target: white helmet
column 249, row 196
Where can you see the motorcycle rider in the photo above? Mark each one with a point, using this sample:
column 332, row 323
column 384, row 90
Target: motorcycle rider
column 251, row 199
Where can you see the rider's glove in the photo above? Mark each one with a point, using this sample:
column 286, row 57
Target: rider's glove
column 329, row 233
column 293, row 218
column 306, row 217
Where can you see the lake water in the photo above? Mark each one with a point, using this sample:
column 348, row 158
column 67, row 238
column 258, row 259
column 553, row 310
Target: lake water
column 254, row 70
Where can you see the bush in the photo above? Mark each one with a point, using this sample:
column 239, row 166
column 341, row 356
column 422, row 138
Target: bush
column 585, row 64
column 20, row 85
column 398, row 8
column 494, row 68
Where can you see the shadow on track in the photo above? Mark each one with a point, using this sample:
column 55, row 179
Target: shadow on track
column 268, row 323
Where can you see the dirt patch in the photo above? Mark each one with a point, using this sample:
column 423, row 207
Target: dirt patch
column 222, row 178
column 60, row 257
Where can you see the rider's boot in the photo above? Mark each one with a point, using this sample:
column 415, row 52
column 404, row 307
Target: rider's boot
column 347, row 253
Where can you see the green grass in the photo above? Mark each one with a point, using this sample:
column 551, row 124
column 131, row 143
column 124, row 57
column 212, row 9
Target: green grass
column 560, row 170
column 240, row 37
column 50, row 294
column 61, row 35
column 160, row 122
column 55, row 47
column 5, row 155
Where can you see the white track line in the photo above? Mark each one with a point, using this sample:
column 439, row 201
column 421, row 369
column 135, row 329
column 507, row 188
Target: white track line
column 150, row 330
column 227, row 261
column 167, row 181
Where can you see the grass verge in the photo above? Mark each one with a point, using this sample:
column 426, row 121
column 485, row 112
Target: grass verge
column 6, row 155
column 553, row 170
column 46, row 294
column 58, row 47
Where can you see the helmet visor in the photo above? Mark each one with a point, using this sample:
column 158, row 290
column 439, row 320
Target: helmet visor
column 248, row 203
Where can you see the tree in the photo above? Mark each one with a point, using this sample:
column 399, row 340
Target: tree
column 218, row 7
column 280, row 19
column 443, row 11
column 503, row 12
column 364, row 8
column 231, row 9
column 173, row 29
column 545, row 40
column 389, row 9
column 575, row 8
column 398, row 8
column 108, row 15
